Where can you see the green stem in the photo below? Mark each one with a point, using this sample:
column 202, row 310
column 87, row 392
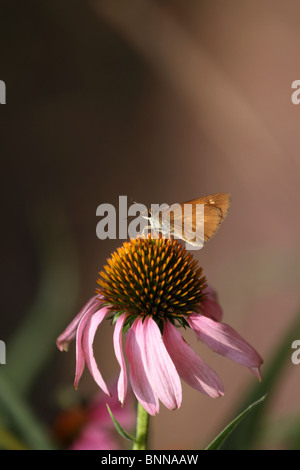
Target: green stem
column 142, row 424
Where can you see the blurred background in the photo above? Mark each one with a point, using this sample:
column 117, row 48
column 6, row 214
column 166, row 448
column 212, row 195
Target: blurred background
column 162, row 102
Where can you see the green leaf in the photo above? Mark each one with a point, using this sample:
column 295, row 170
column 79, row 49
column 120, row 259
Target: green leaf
column 119, row 427
column 217, row 443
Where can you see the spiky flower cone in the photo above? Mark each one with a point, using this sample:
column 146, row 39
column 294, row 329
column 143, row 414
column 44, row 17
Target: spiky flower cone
column 152, row 277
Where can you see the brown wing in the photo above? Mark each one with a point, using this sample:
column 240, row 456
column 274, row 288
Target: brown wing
column 215, row 210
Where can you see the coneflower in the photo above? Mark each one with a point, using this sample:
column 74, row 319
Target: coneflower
column 148, row 289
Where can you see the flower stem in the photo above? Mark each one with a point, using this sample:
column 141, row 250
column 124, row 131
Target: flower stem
column 142, row 425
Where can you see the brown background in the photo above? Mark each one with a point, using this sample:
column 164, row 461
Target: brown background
column 162, row 102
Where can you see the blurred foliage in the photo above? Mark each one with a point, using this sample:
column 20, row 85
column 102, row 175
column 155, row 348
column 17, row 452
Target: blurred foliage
column 250, row 432
column 10, row 442
column 34, row 340
column 20, row 418
column 282, row 432
column 33, row 344
column 220, row 440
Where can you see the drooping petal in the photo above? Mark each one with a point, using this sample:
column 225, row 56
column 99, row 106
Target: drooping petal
column 190, row 367
column 138, row 377
column 87, row 343
column 122, row 382
column 160, row 369
column 225, row 341
column 256, row 372
column 80, row 357
column 210, row 306
column 70, row 332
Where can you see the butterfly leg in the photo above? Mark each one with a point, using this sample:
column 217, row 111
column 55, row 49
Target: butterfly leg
column 144, row 233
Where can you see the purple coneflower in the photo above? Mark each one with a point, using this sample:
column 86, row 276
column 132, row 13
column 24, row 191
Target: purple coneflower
column 149, row 288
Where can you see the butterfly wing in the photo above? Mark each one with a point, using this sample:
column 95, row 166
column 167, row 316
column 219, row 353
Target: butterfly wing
column 215, row 210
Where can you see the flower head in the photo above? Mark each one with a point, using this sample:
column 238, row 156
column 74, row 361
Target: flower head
column 152, row 277
column 149, row 288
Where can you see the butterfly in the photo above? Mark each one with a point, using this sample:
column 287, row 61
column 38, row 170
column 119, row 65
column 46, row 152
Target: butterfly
column 194, row 221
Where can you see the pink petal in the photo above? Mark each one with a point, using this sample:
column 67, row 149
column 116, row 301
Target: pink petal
column 122, row 382
column 80, row 358
column 210, row 307
column 94, row 437
column 138, row 377
column 225, row 341
column 256, row 372
column 189, row 365
column 87, row 342
column 160, row 369
column 70, row 332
